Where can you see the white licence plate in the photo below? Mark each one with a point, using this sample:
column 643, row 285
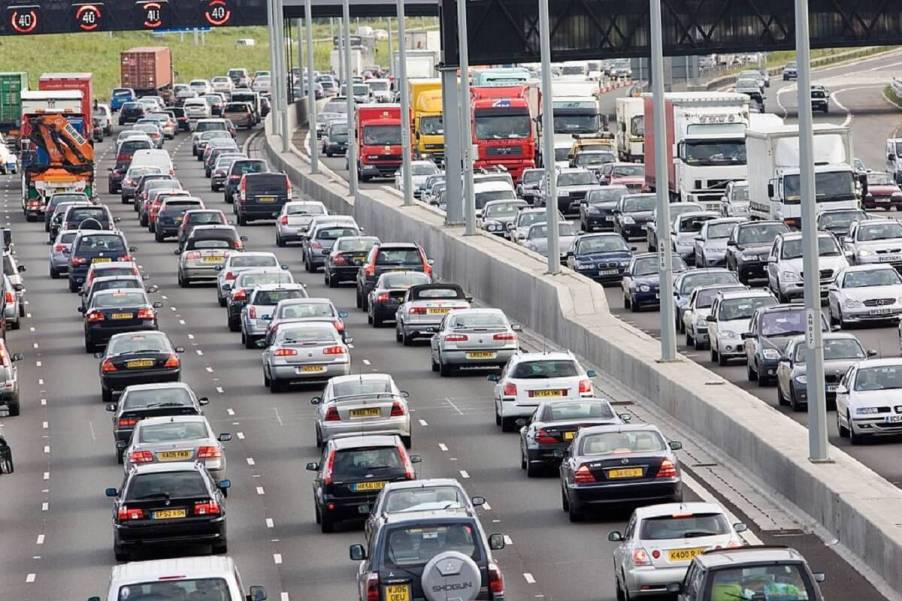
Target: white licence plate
column 609, row 218
column 607, row 272
column 890, row 258
column 831, row 387
column 893, row 419
column 883, row 311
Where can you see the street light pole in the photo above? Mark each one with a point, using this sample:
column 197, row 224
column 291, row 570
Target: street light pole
column 662, row 221
column 407, row 182
column 273, row 67
column 311, row 97
column 467, row 142
column 283, row 76
column 551, row 208
column 349, row 86
column 817, row 402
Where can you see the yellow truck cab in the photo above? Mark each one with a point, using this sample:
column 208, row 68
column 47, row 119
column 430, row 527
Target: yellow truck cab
column 426, row 103
column 602, row 141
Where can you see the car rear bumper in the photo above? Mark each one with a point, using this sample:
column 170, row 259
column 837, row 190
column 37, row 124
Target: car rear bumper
column 460, row 358
column 200, row 273
column 601, row 494
column 292, row 373
column 119, row 381
column 343, row 273
column 653, row 581
column 189, row 531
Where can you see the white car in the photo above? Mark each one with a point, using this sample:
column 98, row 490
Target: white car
column 660, row 542
column 872, row 241
column 729, row 319
column 867, row 400
column 685, row 229
column 222, row 84
column 200, row 86
column 9, row 162
column 865, row 293
column 784, row 264
column 419, row 171
column 197, row 108
column 735, row 200
column 104, row 117
column 530, row 378
column 695, row 315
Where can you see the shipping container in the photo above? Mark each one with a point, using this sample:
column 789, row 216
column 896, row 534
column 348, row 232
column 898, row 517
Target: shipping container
column 11, row 86
column 82, row 82
column 148, row 71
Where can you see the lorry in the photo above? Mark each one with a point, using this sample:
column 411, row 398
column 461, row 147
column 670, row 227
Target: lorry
column 502, row 76
column 424, row 39
column 12, row 84
column 420, row 64
column 630, row 130
column 773, row 172
column 84, row 83
column 56, row 152
column 426, row 105
column 503, row 127
column 358, row 61
column 705, row 144
column 147, row 71
column 377, row 129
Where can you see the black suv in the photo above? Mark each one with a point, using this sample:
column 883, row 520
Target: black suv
column 395, row 565
column 172, row 211
column 94, row 245
column 131, row 112
column 749, row 245
column 236, row 171
column 261, row 196
column 389, row 256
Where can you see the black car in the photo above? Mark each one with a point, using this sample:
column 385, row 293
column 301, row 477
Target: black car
column 619, row 464
column 170, row 216
column 389, row 256
column 348, row 253
column 244, row 286
column 749, row 246
column 548, row 433
column 261, row 196
column 632, row 213
column 131, row 112
column 352, row 471
column 602, row 257
column 124, row 155
column 150, row 400
column 93, row 245
column 117, row 310
column 388, row 293
column 168, row 504
column 9, row 380
column 184, row 124
column 335, row 140
column 58, row 199
column 137, row 358
column 236, row 171
column 6, row 457
column 596, row 211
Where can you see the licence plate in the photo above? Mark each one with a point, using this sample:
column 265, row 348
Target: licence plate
column 890, row 258
column 481, row 355
column 102, row 260
column 169, row 514
column 893, row 419
column 139, row 363
column 368, row 412
column 608, row 218
column 266, row 198
column 831, row 387
column 684, row 554
column 174, row 455
column 397, row 592
column 364, row 486
column 213, row 259
column 121, row 316
column 607, row 272
column 311, row 369
column 547, row 393
column 883, row 311
column 437, row 310
column 569, row 435
column 626, row 472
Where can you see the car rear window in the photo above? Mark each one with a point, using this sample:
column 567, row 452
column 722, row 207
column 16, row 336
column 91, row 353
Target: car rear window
column 182, row 205
column 683, row 525
column 359, row 386
column 432, row 498
column 253, row 261
column 304, row 310
column 101, row 243
column 305, row 209
column 209, row 125
column 110, row 284
column 156, row 397
column 438, row 293
column 544, row 369
column 119, row 299
column 356, row 245
column 206, row 218
column 242, row 167
column 112, row 271
column 398, row 256
column 66, row 238
column 356, row 464
column 175, row 484
column 634, row 441
column 272, row 297
column 137, row 342
column 173, row 432
column 478, row 320
column 333, row 233
column 415, row 545
column 211, row 243
column 577, row 410
column 306, row 333
column 79, row 214
column 267, row 182
column 252, row 280
column 405, row 280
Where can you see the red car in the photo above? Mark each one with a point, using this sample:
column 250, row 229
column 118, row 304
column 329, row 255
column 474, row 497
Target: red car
column 631, row 175
column 882, row 192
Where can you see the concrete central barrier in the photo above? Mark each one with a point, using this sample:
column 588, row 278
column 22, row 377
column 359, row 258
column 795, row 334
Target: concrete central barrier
column 844, row 496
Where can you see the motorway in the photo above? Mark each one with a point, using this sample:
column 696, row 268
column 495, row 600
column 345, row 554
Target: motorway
column 56, row 523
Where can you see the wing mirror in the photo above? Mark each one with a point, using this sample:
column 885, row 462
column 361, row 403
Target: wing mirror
column 625, row 417
column 747, row 335
column 179, row 349
column 740, row 527
column 256, row 593
column 203, row 401
column 675, row 445
column 313, row 466
column 496, row 542
column 357, row 552
column 872, row 353
column 111, row 407
column 111, row 492
column 316, row 400
column 17, row 357
column 710, row 318
column 477, row 501
column 615, row 536
column 157, row 304
column 493, row 378
column 224, row 437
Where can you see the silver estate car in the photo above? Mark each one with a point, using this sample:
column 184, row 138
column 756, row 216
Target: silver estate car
column 59, row 253
column 424, row 307
column 205, row 252
column 297, row 310
column 296, row 215
column 305, row 352
column 473, row 338
column 362, row 404
column 177, row 438
column 257, row 313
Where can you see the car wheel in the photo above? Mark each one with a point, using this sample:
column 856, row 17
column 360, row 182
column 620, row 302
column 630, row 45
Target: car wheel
column 574, row 513
column 120, row 553
column 618, row 590
column 317, row 438
column 444, row 370
column 398, row 336
column 183, row 283
column 330, row 281
column 220, row 548
column 54, row 274
column 781, row 400
column 843, row 431
column 6, row 466
column 689, row 339
column 507, row 424
column 721, row 360
column 242, row 220
column 697, row 344
column 750, row 373
column 90, row 347
column 357, row 298
column 435, row 366
column 158, row 236
column 326, row 524
column 714, row 357
column 794, row 402
column 222, row 301
column 279, row 242
column 14, row 407
column 265, row 379
column 119, row 457
column 533, row 470
column 377, row 320
column 73, row 287
column 854, row 437
column 249, row 342
column 763, row 380
column 106, row 395
column 234, row 325
column 275, row 386
column 565, row 502
column 626, row 302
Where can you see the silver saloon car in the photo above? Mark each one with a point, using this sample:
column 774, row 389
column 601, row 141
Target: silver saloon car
column 473, row 338
column 304, row 352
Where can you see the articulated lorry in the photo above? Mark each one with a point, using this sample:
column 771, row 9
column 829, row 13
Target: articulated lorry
column 705, row 144
column 57, row 154
column 504, row 127
column 428, row 128
column 773, row 172
column 147, row 70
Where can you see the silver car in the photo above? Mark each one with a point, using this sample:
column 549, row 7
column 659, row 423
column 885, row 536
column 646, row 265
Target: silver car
column 299, row 310
column 59, row 253
column 361, row 404
column 12, row 307
column 257, row 313
column 519, row 227
column 14, row 271
column 473, row 338
column 661, row 541
column 305, row 352
column 235, row 264
column 205, row 251
column 296, row 215
column 424, row 307
column 711, row 242
column 177, row 438
column 537, row 238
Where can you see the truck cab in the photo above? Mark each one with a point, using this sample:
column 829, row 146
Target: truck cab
column 428, row 127
column 630, row 131
column 503, row 128
column 378, row 132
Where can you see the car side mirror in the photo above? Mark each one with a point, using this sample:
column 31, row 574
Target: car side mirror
column 675, row 445
column 872, row 353
column 416, row 459
column 699, row 239
column 218, row 268
column 625, row 417
column 569, row 254
column 179, row 349
column 111, row 407
column 731, row 243
column 835, row 328
column 316, row 400
column 747, row 335
column 496, row 542
column 820, row 577
column 17, row 357
column 224, row 437
column 177, row 251
column 890, row 157
column 591, row 373
column 783, row 360
column 157, row 304
column 357, row 552
column 477, row 501
column 343, row 314
column 493, row 378
column 224, row 484
column 615, row 536
column 770, row 190
column 111, row 492
column 80, row 309
column 203, row 401
column 94, row 598
column 261, row 343
column 20, row 269
column 710, row 318
column 243, row 238
column 521, row 422
column 256, row 593
column 313, row 466
column 740, row 527
column 516, row 327
column 675, row 588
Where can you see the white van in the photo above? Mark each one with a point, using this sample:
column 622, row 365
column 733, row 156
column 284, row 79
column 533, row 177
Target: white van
column 179, row 578
column 153, row 157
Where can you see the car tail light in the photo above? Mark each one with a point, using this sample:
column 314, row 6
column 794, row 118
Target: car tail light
column 334, row 350
column 125, row 258
column 316, row 245
column 94, row 316
column 172, row 362
column 252, row 312
column 285, row 352
column 397, row 409
column 231, row 275
column 192, row 255
column 240, row 294
column 338, row 259
column 330, row 461
column 383, row 297
column 456, row 338
column 667, row 470
column 121, row 158
column 427, row 269
column 585, row 386
column 640, row 557
column 408, row 464
column 234, row 178
column 206, row 508
column 369, row 270
column 418, row 310
column 59, row 248
column 125, row 514
column 140, row 457
column 543, row 437
column 509, row 389
column 127, row 422
column 507, row 336
column 107, row 366
column 78, row 260
column 583, row 475
column 209, row 452
column 283, row 219
column 332, row 415
column 372, row 586
column 146, row 313
column 496, row 579
column 10, row 296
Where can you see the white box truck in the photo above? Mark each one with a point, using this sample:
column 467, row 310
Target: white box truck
column 630, row 133
column 358, row 60
column 705, row 144
column 774, row 187
column 420, row 64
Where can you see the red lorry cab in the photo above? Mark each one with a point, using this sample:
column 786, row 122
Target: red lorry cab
column 503, row 128
column 82, row 82
column 378, row 131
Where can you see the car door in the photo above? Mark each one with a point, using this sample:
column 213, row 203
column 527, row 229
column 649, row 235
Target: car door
column 751, row 343
column 773, row 266
column 784, row 369
column 842, row 396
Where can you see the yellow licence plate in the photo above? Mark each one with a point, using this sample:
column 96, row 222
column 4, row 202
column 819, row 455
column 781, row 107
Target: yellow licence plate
column 481, row 355
column 546, row 393
column 684, row 554
column 139, row 363
column 121, row 316
column 174, row 455
column 266, row 198
column 360, row 486
column 569, row 435
column 169, row 514
column 437, row 310
column 311, row 369
column 102, row 260
column 397, row 592
column 368, row 412
column 213, row 259
column 626, row 472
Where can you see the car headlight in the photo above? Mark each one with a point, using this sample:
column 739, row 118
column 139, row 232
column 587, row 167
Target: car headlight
column 730, row 334
column 628, row 219
column 770, row 353
column 644, row 288
column 866, row 411
column 701, row 321
column 749, row 256
column 789, row 276
column 582, row 265
column 853, row 303
column 864, row 253
column 801, row 379
column 493, row 227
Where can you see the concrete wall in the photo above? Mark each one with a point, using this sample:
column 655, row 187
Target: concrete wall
column 847, row 498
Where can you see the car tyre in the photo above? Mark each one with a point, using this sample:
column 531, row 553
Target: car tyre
column 220, row 548
column 54, row 273
column 234, row 324
column 73, row 287
column 279, row 242
column 326, row 524
column 627, row 304
column 120, row 553
column 435, row 366
column 843, row 431
column 444, row 370
column 507, row 424
column 248, row 342
column 533, row 470
column 106, row 395
column 357, row 299
column 158, row 236
column 574, row 513
column 750, row 374
column 565, row 502
column 14, row 406
column 275, row 386
column 183, row 283
column 6, row 466
column 854, row 437
column 762, row 378
column 377, row 320
column 222, row 301
column 242, row 220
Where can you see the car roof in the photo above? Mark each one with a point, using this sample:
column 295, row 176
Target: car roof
column 549, row 356
column 158, row 386
column 284, row 286
column 798, row 235
column 665, row 509
column 167, row 419
column 747, row 293
column 880, row 362
column 750, row 554
column 357, row 441
column 423, row 483
column 869, row 267
column 397, row 245
column 429, row 515
column 163, row 467
column 174, row 569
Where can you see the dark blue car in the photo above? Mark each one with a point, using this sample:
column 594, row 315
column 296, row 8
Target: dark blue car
column 641, row 280
column 602, row 257
column 120, row 96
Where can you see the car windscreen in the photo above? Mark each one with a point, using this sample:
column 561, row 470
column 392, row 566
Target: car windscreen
column 484, row 197
column 760, row 234
column 210, row 243
column 880, row 179
column 693, row 280
column 545, row 369
column 405, row 280
column 705, row 298
column 601, row 244
column 78, row 214
column 783, row 323
column 415, row 545
column 253, row 261
column 743, row 308
column 692, row 223
column 628, row 171
column 501, row 211
column 172, row 432
column 527, row 218
column 720, row 230
column 638, row 204
column 871, row 277
column 120, row 345
column 826, row 247
column 615, row 443
column 267, row 182
column 156, row 397
column 839, row 220
column 171, row 484
column 870, row 232
column 562, row 411
column 580, row 178
column 382, row 135
column 884, row 377
column 683, row 525
column 206, row 218
column 606, row 194
column 272, row 297
column 835, row 349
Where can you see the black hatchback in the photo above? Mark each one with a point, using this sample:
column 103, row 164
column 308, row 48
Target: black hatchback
column 261, row 196
column 137, row 358
column 94, row 246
